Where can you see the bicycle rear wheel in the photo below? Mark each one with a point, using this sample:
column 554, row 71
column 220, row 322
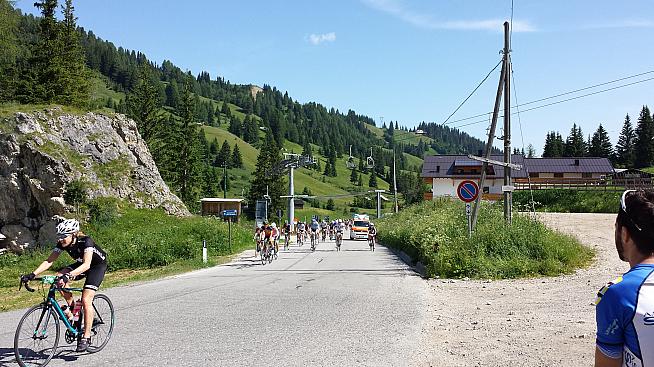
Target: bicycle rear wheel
column 37, row 336
column 103, row 322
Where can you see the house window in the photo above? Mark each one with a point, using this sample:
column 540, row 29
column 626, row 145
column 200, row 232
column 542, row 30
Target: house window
column 586, row 175
column 438, row 169
column 474, row 171
column 533, row 174
column 459, row 170
column 558, row 175
column 486, row 190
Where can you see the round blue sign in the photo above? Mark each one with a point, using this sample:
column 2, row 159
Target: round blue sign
column 467, row 191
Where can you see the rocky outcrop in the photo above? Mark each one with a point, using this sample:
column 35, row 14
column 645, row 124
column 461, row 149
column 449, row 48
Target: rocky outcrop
column 42, row 152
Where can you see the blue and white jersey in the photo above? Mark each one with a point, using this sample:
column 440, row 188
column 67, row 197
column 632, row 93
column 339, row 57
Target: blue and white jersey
column 625, row 317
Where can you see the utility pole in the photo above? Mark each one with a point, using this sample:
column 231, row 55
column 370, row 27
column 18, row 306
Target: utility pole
column 224, row 180
column 291, row 200
column 379, row 192
column 508, row 194
column 394, row 182
column 504, row 75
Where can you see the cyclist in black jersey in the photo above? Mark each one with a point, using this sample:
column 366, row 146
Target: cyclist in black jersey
column 90, row 262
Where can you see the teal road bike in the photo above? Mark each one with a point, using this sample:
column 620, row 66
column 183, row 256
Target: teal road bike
column 38, row 332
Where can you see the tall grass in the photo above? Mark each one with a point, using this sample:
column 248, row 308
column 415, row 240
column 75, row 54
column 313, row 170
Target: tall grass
column 141, row 239
column 435, row 233
column 570, row 201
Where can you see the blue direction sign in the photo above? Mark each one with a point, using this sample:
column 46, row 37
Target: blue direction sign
column 229, row 213
column 467, row 191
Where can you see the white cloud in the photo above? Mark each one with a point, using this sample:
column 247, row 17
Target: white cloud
column 397, row 9
column 631, row 23
column 317, row 39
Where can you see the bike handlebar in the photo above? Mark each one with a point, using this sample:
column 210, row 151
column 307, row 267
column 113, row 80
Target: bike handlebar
column 27, row 286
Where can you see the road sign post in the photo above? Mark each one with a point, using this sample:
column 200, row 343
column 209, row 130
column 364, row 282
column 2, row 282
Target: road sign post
column 229, row 214
column 468, row 191
column 468, row 214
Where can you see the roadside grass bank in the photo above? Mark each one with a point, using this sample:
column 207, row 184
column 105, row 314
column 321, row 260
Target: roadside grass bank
column 569, row 201
column 435, row 233
column 141, row 244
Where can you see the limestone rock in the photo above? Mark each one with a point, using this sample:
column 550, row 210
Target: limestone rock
column 42, row 152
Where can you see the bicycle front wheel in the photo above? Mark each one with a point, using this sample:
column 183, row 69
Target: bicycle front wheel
column 37, row 336
column 103, row 322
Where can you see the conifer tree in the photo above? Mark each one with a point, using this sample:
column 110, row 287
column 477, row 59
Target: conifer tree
column 9, row 51
column 266, row 176
column 235, row 126
column 624, row 149
column 189, row 168
column 225, row 110
column 574, row 144
column 73, row 85
column 372, row 182
column 45, row 56
column 644, row 147
column 328, row 169
column 531, row 151
column 237, row 161
column 213, row 147
column 224, row 155
column 600, row 144
column 172, row 94
column 144, row 105
column 353, row 177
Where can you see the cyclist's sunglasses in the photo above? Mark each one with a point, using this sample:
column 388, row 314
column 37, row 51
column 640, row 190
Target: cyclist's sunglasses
column 623, row 205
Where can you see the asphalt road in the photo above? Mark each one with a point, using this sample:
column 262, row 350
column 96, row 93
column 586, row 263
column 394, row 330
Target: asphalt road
column 324, row 308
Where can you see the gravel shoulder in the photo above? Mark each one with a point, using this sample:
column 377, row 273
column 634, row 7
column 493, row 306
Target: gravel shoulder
column 530, row 322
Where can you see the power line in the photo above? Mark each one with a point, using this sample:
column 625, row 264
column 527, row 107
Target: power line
column 557, row 95
column 473, row 92
column 557, row 102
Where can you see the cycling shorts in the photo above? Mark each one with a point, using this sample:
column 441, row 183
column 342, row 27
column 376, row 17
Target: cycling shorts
column 94, row 276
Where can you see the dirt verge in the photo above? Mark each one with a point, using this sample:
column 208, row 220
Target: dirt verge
column 530, row 322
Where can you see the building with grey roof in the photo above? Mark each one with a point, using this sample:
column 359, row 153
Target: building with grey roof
column 444, row 172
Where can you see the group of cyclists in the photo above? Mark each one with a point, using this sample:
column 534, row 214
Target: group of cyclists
column 267, row 236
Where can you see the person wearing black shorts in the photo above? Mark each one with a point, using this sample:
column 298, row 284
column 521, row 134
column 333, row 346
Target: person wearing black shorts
column 90, row 263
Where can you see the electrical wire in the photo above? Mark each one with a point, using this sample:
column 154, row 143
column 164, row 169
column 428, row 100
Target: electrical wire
column 561, row 101
column 559, row 95
column 473, row 92
column 522, row 138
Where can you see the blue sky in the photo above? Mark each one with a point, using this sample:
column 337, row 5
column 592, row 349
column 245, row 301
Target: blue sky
column 405, row 60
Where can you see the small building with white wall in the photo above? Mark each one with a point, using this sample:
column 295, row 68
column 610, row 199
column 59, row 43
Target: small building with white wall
column 444, row 173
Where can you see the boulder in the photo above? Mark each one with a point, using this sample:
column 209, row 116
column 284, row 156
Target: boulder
column 42, row 152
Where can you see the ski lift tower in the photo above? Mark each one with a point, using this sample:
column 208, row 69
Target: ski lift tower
column 290, row 162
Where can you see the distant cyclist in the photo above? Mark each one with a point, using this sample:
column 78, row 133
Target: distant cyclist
column 314, row 231
column 625, row 307
column 300, row 233
column 372, row 234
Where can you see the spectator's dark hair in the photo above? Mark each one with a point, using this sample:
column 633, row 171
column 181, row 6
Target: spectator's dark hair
column 639, row 219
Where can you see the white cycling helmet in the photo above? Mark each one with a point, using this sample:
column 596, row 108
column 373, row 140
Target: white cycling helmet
column 273, row 225
column 67, row 227
column 372, row 224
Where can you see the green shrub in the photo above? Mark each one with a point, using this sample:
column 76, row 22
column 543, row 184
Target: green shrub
column 76, row 193
column 435, row 233
column 145, row 238
column 103, row 211
column 569, row 201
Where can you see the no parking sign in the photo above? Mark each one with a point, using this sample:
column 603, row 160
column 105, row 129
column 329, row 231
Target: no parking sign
column 468, row 192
